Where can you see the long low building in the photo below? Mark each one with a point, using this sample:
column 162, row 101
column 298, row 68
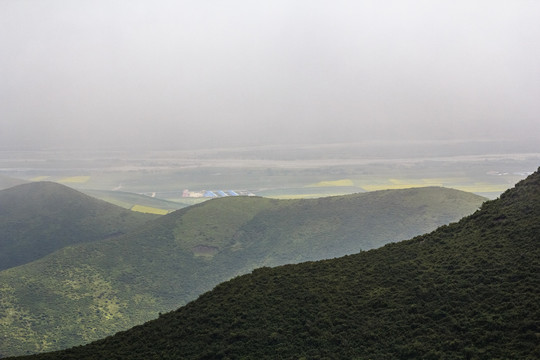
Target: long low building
column 216, row 193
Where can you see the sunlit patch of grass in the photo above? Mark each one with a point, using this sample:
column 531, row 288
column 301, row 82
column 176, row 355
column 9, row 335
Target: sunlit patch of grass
column 75, row 179
column 149, row 210
column 331, row 183
column 40, row 178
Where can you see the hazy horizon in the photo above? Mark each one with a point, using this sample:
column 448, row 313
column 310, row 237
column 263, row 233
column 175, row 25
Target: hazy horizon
column 207, row 74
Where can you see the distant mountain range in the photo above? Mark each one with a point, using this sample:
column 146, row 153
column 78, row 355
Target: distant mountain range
column 468, row 290
column 88, row 291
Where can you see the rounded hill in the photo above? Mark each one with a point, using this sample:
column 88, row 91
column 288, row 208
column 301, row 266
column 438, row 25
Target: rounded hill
column 39, row 218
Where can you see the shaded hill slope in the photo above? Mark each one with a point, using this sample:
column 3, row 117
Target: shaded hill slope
column 86, row 292
column 39, row 218
column 7, row 182
column 469, row 290
column 341, row 225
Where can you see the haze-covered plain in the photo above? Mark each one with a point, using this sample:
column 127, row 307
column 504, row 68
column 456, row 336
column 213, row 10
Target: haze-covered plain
column 169, row 180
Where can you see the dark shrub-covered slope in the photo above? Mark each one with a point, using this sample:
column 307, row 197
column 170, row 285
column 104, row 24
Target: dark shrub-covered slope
column 469, row 290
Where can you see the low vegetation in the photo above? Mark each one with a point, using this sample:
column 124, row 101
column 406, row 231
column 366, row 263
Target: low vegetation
column 468, row 290
column 89, row 291
column 39, row 218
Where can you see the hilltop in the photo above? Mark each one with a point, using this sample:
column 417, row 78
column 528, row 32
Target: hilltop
column 7, row 182
column 468, row 290
column 86, row 292
column 39, row 218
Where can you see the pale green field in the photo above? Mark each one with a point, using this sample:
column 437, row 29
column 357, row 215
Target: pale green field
column 332, row 183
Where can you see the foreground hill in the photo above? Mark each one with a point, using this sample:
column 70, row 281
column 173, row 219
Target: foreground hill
column 85, row 292
column 39, row 218
column 469, row 290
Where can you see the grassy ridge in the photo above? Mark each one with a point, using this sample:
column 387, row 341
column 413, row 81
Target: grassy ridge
column 93, row 290
column 39, row 218
column 340, row 225
column 469, row 290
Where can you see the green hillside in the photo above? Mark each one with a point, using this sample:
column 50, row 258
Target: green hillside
column 83, row 293
column 469, row 290
column 39, row 218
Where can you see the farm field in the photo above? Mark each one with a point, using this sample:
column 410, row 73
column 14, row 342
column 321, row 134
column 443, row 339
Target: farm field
column 159, row 179
column 149, row 210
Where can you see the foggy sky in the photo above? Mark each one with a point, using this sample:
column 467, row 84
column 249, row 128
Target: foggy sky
column 206, row 73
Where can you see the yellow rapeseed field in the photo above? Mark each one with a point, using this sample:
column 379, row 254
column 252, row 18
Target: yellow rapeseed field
column 75, row 179
column 149, row 210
